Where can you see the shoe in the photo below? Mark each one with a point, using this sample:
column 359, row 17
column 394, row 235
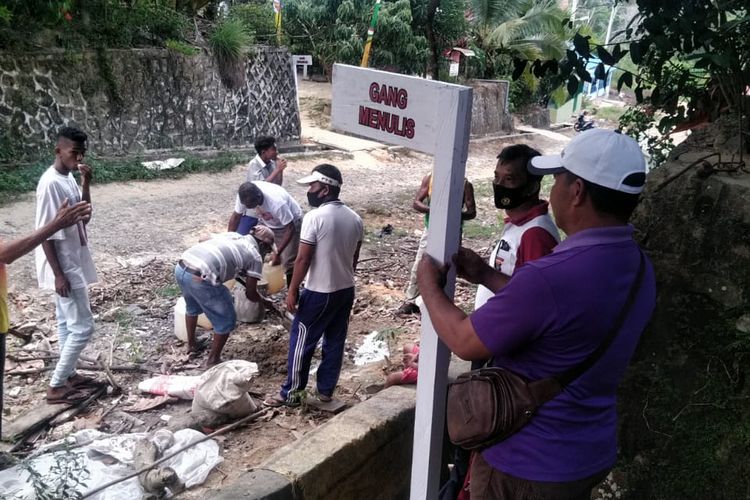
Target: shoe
column 275, row 401
column 407, row 308
column 323, row 398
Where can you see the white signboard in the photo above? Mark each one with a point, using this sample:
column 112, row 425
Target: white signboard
column 389, row 107
column 302, row 60
column 433, row 117
column 453, row 69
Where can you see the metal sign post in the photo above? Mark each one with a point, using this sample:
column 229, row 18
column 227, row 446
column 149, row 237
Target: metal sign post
column 435, row 118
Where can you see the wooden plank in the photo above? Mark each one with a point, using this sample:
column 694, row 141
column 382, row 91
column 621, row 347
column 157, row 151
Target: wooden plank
column 44, row 414
column 33, row 419
column 332, row 406
column 390, row 108
column 443, row 241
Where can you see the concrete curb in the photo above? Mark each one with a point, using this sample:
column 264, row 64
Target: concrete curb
column 365, row 452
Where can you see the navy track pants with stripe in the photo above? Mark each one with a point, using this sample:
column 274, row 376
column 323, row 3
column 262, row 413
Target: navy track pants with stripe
column 318, row 315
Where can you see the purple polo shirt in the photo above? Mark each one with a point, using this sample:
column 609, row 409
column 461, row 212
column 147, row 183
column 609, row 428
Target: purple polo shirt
column 554, row 312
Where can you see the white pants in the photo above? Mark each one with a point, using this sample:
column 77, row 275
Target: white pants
column 75, row 324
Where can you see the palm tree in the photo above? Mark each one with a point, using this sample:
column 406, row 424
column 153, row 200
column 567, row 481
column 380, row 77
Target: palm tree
column 528, row 29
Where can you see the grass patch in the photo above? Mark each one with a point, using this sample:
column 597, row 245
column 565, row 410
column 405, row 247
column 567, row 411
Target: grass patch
column 19, row 180
column 230, row 41
column 169, row 291
column 609, row 113
column 479, row 230
column 182, row 48
column 483, row 188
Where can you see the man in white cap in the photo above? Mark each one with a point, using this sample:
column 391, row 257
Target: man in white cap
column 552, row 314
column 201, row 273
column 330, row 240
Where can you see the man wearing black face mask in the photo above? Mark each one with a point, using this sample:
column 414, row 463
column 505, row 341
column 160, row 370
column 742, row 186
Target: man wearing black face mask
column 529, row 231
column 330, row 240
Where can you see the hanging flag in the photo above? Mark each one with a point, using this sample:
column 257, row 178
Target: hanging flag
column 277, row 6
column 370, row 33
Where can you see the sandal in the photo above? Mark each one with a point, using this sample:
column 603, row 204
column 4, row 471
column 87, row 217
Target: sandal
column 323, row 398
column 73, row 396
column 201, row 345
column 82, row 381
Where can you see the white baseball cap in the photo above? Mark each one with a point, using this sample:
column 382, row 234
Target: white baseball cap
column 318, row 177
column 262, row 233
column 606, row 158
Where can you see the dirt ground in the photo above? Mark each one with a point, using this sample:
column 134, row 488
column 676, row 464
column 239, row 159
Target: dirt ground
column 140, row 229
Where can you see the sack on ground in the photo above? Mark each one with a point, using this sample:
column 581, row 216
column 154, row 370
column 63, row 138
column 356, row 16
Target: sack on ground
column 223, row 389
column 181, row 386
column 247, row 310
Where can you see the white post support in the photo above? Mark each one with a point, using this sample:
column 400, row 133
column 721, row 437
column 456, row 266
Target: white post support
column 435, row 118
column 443, row 241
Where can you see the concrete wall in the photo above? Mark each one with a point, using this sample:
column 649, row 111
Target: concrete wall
column 489, row 109
column 364, row 453
column 138, row 100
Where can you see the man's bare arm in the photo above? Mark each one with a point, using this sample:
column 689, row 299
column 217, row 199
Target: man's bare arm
column 66, row 216
column 277, row 176
column 234, row 222
column 424, row 191
column 470, row 207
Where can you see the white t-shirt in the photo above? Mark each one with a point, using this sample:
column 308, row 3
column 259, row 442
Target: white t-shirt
column 335, row 230
column 278, row 208
column 258, row 171
column 71, row 243
column 503, row 257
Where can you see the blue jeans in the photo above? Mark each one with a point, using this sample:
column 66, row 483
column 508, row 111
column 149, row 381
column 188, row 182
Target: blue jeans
column 75, row 324
column 215, row 302
column 246, row 224
column 318, row 315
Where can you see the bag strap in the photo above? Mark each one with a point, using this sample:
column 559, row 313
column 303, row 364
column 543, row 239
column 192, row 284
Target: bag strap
column 546, row 389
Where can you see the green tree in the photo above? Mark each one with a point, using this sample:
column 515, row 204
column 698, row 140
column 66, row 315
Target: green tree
column 335, row 31
column 692, row 64
column 443, row 23
column 258, row 18
column 526, row 29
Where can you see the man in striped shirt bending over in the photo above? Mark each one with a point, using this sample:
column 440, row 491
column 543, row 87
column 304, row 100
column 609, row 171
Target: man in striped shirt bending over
column 201, row 274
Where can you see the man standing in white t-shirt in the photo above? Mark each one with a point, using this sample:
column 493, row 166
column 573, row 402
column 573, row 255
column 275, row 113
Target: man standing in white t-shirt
column 266, row 166
column 276, row 209
column 64, row 264
column 328, row 254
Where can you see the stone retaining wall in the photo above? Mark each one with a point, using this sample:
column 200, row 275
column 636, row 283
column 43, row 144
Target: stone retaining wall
column 131, row 101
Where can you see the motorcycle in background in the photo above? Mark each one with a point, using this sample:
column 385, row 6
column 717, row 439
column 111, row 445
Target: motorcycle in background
column 583, row 122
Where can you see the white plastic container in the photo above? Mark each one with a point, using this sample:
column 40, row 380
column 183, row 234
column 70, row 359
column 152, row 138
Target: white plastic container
column 180, row 328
